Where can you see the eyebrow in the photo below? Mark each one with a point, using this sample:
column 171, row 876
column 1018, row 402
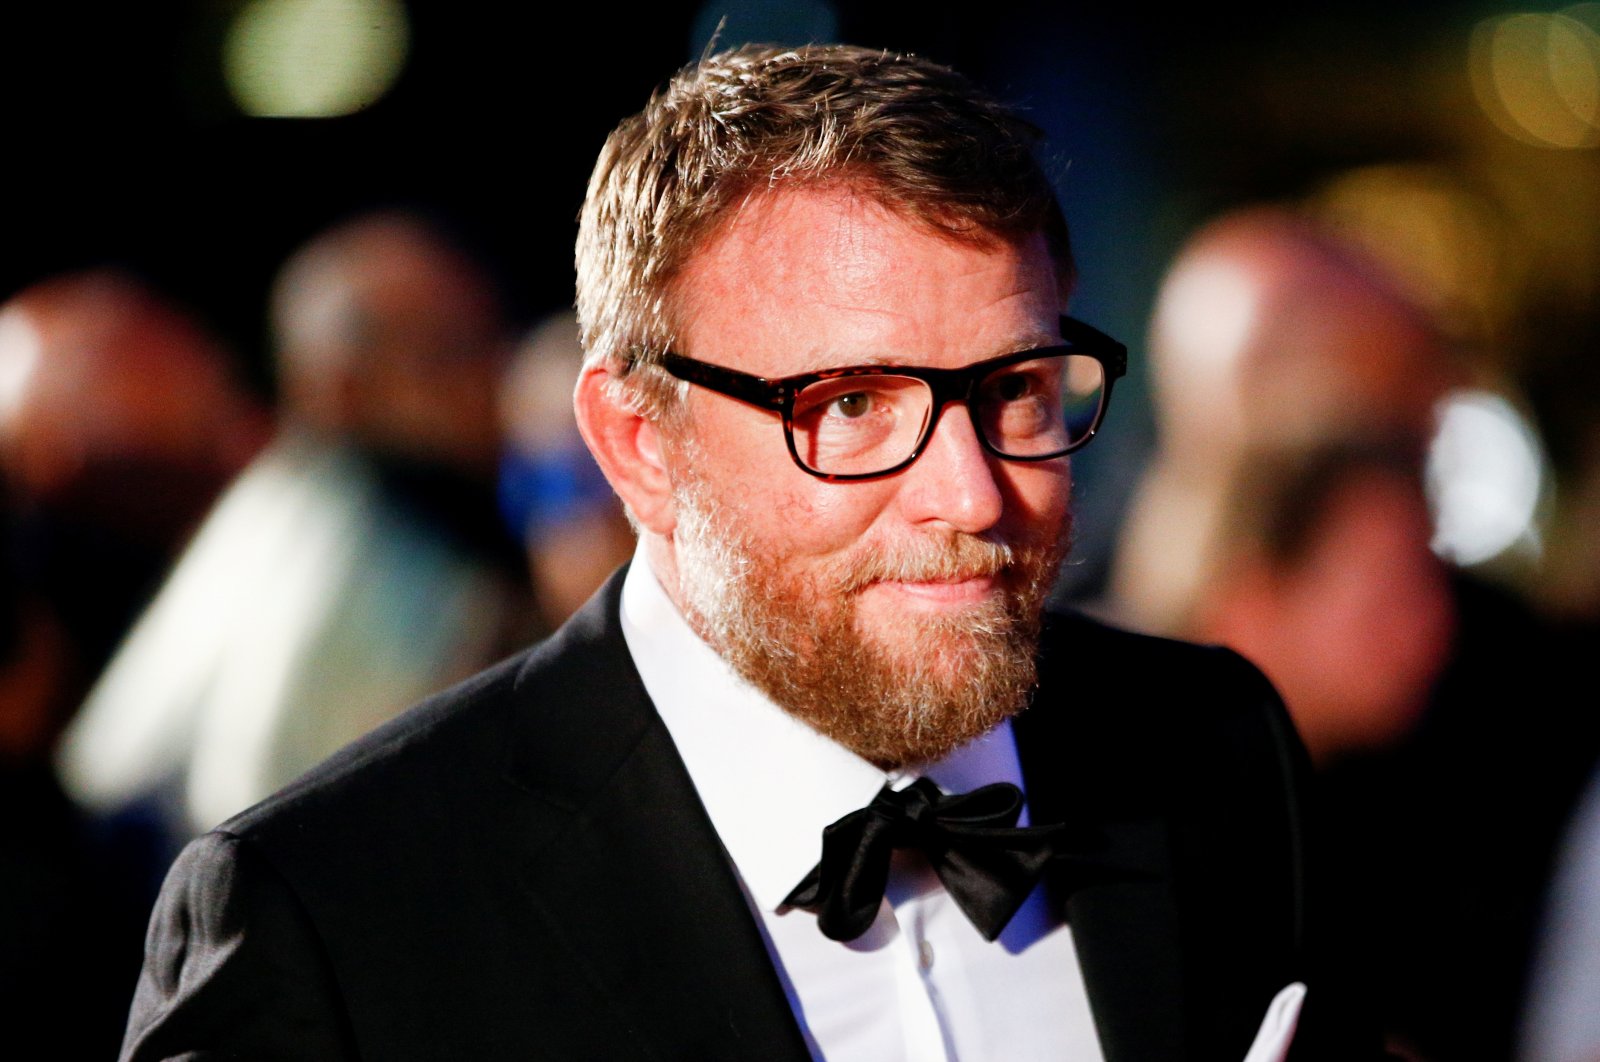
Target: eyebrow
column 863, row 360
column 1040, row 341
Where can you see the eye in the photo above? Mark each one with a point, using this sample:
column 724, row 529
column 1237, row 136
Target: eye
column 1013, row 385
column 851, row 405
column 1010, row 387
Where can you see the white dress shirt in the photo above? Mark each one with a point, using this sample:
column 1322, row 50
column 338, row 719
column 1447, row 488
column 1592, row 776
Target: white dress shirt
column 922, row 984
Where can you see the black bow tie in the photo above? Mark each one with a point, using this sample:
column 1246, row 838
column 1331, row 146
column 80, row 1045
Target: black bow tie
column 988, row 864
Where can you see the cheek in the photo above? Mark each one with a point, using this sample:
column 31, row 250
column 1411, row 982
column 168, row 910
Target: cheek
column 1038, row 496
column 745, row 466
column 799, row 516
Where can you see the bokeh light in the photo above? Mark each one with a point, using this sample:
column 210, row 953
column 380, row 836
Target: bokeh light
column 314, row 58
column 1538, row 76
column 1218, row 307
column 1486, row 472
column 20, row 349
column 1444, row 245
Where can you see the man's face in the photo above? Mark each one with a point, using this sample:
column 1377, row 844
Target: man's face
column 896, row 615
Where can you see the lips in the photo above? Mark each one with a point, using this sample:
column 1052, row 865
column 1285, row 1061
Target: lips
column 974, row 587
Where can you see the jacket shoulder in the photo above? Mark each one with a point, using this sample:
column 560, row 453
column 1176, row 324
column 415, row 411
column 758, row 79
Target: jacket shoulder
column 455, row 751
column 446, row 737
column 1127, row 726
column 1156, row 685
column 1131, row 730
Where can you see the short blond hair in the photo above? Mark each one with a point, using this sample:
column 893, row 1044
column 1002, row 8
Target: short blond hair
column 914, row 135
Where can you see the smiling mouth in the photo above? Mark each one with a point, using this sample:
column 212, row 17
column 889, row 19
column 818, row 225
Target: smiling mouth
column 946, row 590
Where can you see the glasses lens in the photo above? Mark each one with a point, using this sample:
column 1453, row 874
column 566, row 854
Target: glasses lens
column 859, row 425
column 1043, row 406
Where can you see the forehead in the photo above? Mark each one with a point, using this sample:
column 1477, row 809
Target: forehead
column 813, row 277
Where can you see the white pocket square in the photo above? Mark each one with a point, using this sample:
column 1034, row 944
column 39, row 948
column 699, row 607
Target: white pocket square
column 1277, row 1028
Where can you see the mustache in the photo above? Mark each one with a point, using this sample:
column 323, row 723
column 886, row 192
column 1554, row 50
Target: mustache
column 952, row 560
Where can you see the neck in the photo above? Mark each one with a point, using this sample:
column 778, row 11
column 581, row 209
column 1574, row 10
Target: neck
column 664, row 563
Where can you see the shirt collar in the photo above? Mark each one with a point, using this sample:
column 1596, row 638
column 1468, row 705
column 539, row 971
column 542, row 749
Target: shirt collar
column 769, row 782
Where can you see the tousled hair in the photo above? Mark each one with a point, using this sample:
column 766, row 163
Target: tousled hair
column 913, row 135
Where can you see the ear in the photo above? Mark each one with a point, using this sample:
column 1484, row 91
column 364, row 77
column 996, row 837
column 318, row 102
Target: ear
column 628, row 449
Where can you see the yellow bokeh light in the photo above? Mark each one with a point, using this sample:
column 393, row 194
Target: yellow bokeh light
column 1440, row 242
column 1538, row 77
column 314, row 58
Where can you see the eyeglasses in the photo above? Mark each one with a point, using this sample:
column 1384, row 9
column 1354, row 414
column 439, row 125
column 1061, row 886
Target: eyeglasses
column 864, row 421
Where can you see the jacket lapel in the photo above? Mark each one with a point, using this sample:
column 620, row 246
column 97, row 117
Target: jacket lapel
column 622, row 864
column 1125, row 923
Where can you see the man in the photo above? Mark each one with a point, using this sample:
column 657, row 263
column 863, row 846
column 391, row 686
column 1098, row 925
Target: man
column 821, row 294
column 121, row 419
column 1244, row 528
column 354, row 566
column 1295, row 530
column 1270, row 337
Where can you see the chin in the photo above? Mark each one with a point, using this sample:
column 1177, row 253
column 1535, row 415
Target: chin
column 934, row 646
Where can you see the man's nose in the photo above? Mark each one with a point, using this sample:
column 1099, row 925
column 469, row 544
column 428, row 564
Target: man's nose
column 953, row 482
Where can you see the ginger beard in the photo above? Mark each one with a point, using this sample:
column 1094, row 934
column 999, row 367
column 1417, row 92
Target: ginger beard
column 799, row 638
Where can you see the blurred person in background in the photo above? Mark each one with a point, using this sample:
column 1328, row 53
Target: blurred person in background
column 356, row 565
column 552, row 494
column 1285, row 515
column 1325, row 579
column 1268, row 338
column 1561, row 1021
column 120, row 421
column 1561, row 1017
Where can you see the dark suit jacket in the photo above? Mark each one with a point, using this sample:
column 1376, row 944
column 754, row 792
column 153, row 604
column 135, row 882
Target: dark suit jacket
column 520, row 868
